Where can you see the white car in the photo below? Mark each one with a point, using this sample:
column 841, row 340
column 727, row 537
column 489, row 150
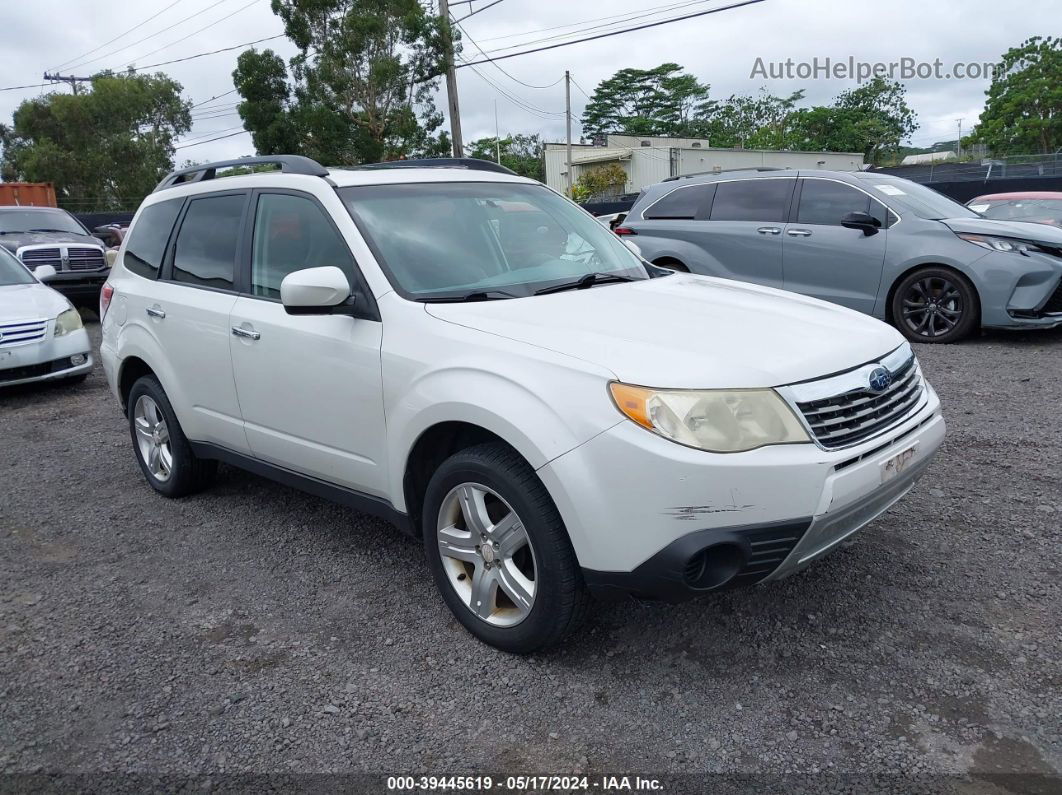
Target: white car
column 41, row 334
column 471, row 355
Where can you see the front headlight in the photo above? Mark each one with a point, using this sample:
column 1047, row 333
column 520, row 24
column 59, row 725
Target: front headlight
column 717, row 420
column 996, row 243
column 68, row 321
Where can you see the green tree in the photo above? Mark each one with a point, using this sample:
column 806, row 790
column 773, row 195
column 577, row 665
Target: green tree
column 103, row 148
column 660, row 101
column 521, row 153
column 359, row 89
column 600, row 180
column 877, row 117
column 749, row 121
column 1023, row 113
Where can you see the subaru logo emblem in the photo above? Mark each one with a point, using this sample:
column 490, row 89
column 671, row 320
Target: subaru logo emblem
column 880, row 379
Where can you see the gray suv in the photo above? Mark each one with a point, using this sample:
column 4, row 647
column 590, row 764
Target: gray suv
column 873, row 242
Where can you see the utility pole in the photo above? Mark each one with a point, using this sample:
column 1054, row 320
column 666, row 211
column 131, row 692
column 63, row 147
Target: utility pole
column 958, row 144
column 73, row 81
column 568, row 123
column 497, row 134
column 451, row 80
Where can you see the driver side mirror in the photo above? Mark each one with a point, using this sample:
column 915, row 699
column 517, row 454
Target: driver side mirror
column 43, row 272
column 864, row 221
column 316, row 291
column 111, row 255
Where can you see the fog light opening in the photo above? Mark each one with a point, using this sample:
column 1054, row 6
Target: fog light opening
column 77, row 359
column 714, row 566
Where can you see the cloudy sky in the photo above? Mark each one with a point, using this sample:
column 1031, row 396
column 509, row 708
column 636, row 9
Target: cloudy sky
column 75, row 36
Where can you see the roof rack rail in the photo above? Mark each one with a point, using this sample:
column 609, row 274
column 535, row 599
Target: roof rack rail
column 289, row 164
column 471, row 163
column 725, row 171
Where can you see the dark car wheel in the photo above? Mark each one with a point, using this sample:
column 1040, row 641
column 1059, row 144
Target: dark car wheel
column 161, row 448
column 672, row 265
column 935, row 305
column 499, row 551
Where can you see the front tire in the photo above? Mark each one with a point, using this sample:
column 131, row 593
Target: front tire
column 935, row 305
column 160, row 446
column 499, row 551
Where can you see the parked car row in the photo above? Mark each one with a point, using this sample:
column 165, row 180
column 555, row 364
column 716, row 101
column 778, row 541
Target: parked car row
column 468, row 354
column 881, row 245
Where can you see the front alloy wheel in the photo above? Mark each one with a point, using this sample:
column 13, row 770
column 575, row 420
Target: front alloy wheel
column 935, row 305
column 487, row 555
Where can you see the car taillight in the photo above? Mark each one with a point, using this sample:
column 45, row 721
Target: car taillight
column 624, row 230
column 106, row 294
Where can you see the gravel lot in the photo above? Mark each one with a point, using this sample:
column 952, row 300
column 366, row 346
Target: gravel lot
column 253, row 628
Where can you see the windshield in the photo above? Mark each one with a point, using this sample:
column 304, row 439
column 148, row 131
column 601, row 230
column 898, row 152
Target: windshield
column 918, row 199
column 438, row 240
column 1041, row 211
column 27, row 219
column 12, row 271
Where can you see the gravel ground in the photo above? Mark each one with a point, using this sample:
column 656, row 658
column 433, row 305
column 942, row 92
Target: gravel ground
column 253, row 628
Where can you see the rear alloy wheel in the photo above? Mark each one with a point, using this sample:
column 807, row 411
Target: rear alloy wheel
column 935, row 305
column 499, row 551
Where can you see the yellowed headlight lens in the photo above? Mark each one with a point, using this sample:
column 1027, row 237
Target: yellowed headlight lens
column 68, row 321
column 717, row 420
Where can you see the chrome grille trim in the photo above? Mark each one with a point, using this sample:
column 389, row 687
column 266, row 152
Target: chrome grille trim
column 22, row 332
column 63, row 258
column 840, row 411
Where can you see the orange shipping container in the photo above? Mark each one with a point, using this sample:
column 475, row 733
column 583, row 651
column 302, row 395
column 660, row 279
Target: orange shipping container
column 27, row 194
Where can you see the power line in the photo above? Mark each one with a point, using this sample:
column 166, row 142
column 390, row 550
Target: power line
column 195, row 32
column 616, row 32
column 151, row 36
column 546, row 115
column 209, row 140
column 120, row 35
column 514, row 79
column 626, row 16
column 581, row 89
column 219, row 96
column 473, row 13
column 32, row 85
column 213, row 52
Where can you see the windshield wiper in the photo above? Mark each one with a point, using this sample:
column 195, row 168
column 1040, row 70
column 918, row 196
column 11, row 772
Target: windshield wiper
column 479, row 295
column 583, row 282
column 46, row 229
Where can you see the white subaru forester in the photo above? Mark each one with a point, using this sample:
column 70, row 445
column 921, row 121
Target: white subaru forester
column 472, row 356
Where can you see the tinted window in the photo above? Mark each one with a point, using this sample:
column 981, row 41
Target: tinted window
column 752, row 200
column 685, row 202
column 147, row 241
column 12, row 271
column 205, row 253
column 292, row 233
column 824, row 202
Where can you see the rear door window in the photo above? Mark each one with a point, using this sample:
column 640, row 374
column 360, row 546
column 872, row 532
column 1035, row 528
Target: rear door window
column 824, row 203
column 148, row 239
column 205, row 251
column 685, row 203
column 763, row 200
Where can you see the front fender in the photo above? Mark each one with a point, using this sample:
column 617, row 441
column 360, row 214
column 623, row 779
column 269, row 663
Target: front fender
column 540, row 426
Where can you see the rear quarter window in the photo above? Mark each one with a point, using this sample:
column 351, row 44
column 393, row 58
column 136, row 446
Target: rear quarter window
column 148, row 238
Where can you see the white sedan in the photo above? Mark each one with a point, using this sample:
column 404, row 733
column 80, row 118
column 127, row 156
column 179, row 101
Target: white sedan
column 41, row 335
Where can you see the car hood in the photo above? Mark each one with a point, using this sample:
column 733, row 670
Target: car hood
column 13, row 241
column 30, row 302
column 688, row 331
column 1025, row 230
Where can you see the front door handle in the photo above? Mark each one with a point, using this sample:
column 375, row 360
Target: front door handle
column 769, row 230
column 246, row 333
column 156, row 311
column 799, row 232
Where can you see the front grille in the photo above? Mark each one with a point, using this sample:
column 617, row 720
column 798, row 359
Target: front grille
column 35, row 370
column 85, row 258
column 22, row 332
column 1054, row 303
column 854, row 416
column 33, row 257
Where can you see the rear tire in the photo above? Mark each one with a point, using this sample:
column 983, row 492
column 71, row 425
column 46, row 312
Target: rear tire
column 160, row 446
column 935, row 305
column 499, row 551
column 672, row 265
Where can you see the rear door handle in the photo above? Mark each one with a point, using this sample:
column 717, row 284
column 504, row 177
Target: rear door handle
column 246, row 333
column 799, row 232
column 156, row 311
column 769, row 230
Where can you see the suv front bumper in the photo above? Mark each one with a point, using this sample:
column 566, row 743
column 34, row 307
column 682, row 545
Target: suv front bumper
column 629, row 498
